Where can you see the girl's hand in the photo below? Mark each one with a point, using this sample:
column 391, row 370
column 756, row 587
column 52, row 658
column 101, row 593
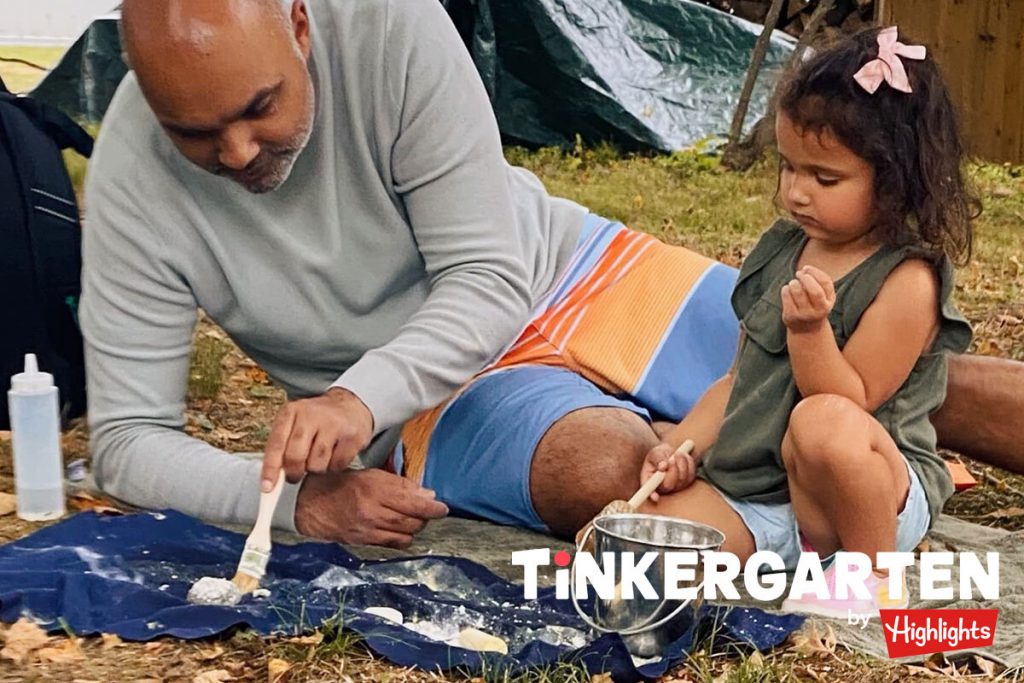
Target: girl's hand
column 680, row 469
column 807, row 299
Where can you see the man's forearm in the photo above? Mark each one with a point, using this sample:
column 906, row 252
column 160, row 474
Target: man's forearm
column 156, row 468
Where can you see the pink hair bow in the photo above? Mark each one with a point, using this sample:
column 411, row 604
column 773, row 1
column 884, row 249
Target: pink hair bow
column 888, row 67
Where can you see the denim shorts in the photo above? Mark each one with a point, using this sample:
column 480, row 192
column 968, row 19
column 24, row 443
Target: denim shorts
column 774, row 526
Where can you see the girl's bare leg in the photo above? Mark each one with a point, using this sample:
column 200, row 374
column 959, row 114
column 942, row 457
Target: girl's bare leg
column 847, row 479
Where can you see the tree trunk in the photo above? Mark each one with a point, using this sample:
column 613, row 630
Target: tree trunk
column 756, row 59
column 743, row 154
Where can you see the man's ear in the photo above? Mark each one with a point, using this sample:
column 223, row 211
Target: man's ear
column 300, row 26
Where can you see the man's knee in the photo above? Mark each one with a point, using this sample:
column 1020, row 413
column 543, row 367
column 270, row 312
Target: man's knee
column 586, row 460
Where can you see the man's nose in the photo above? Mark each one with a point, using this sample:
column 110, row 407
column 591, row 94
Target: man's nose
column 237, row 148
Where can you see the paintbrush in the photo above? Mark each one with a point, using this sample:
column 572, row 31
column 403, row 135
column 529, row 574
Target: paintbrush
column 253, row 564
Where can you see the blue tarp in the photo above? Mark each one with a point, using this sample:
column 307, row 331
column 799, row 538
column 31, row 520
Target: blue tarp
column 129, row 575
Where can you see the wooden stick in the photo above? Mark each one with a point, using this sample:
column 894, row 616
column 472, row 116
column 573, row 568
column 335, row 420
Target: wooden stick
column 652, row 484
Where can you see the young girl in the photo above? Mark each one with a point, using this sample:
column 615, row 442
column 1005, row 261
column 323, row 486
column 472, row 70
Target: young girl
column 819, row 437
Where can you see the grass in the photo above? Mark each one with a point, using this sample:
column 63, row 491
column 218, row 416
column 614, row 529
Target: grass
column 19, row 77
column 206, row 374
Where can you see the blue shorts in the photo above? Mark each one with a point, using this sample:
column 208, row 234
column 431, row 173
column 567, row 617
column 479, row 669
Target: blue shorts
column 633, row 323
column 774, row 527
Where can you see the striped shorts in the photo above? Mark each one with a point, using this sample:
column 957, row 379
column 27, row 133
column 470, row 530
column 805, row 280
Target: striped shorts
column 632, row 323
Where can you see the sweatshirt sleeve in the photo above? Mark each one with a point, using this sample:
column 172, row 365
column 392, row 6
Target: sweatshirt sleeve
column 449, row 170
column 137, row 317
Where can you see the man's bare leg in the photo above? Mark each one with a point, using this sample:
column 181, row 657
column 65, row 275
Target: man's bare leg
column 983, row 416
column 593, row 456
column 586, row 460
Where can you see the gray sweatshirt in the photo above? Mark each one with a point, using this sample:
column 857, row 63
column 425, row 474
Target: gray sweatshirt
column 401, row 256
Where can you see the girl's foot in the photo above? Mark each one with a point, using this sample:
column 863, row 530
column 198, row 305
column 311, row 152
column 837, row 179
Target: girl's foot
column 837, row 608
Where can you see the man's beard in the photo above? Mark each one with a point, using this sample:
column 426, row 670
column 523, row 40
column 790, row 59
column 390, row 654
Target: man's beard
column 273, row 165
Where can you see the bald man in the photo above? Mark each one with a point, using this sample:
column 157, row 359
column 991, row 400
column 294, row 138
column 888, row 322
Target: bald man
column 326, row 180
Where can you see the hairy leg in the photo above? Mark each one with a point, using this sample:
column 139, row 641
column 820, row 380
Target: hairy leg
column 586, row 460
column 981, row 416
column 593, row 456
column 847, row 479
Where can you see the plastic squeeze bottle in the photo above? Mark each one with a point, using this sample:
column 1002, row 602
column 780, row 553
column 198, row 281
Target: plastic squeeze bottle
column 35, row 437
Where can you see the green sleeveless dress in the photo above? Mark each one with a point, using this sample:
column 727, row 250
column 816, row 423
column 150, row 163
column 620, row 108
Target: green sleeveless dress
column 746, row 461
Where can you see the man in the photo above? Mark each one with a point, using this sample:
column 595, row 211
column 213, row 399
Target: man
column 326, row 180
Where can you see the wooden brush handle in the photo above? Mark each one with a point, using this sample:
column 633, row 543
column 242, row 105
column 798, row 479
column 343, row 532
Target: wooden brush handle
column 652, row 484
column 265, row 515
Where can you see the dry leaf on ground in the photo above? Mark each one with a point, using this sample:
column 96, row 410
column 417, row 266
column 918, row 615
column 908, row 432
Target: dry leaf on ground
column 1006, row 512
column 215, row 676
column 213, row 653
column 810, row 641
column 314, row 639
column 111, row 641
column 277, row 669
column 66, row 652
column 21, row 639
column 8, row 504
column 986, row 666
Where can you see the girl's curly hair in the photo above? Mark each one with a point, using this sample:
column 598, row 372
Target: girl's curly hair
column 912, row 140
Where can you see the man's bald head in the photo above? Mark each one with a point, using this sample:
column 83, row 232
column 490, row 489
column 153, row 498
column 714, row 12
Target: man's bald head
column 195, row 24
column 228, row 80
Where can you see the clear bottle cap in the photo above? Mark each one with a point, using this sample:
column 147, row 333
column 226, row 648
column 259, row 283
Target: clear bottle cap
column 31, row 381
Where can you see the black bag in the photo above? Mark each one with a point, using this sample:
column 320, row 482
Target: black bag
column 40, row 249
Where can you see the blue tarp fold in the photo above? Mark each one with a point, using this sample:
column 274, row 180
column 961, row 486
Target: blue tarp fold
column 129, row 575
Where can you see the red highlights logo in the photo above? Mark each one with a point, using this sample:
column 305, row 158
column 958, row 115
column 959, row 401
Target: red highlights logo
column 911, row 632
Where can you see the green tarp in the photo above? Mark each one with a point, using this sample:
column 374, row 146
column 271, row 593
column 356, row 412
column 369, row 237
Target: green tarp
column 659, row 74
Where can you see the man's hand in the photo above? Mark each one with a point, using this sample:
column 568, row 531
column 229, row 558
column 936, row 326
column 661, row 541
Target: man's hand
column 679, row 467
column 807, row 299
column 318, row 434
column 371, row 507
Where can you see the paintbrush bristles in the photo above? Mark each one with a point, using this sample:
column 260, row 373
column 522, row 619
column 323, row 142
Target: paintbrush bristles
column 245, row 583
column 251, row 568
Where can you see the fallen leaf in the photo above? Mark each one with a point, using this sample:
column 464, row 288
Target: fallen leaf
column 277, row 669
column 111, row 641
column 214, row 676
column 84, row 680
column 756, row 660
column 1005, row 513
column 601, row 678
column 263, row 391
column 221, row 433
column 67, row 652
column 213, row 653
column 1009, row 319
column 154, row 646
column 21, row 639
column 101, row 505
column 314, row 639
column 808, row 641
column 257, row 375
column 938, row 662
column 8, row 503
column 813, row 674
column 215, row 334
column 986, row 666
